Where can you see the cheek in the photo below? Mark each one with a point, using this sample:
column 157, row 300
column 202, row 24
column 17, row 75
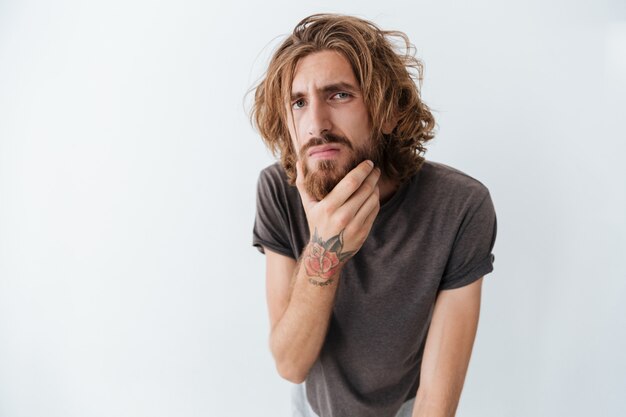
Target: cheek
column 364, row 121
column 292, row 141
column 293, row 135
column 295, row 148
column 357, row 120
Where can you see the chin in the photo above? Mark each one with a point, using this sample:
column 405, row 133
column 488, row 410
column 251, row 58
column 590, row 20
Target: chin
column 327, row 173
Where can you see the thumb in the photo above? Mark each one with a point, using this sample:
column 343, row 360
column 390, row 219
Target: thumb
column 307, row 199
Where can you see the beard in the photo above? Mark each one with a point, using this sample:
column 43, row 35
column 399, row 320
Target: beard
column 321, row 181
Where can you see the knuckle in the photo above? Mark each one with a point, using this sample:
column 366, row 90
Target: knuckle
column 367, row 188
column 327, row 209
column 342, row 220
column 351, row 182
column 362, row 235
column 376, row 204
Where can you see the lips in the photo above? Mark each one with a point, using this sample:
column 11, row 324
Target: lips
column 324, row 150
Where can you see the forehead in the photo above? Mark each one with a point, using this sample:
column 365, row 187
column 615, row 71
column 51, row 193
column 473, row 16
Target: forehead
column 319, row 69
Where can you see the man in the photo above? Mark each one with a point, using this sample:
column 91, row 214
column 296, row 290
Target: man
column 375, row 259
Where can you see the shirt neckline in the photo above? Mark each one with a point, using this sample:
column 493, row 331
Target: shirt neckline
column 400, row 193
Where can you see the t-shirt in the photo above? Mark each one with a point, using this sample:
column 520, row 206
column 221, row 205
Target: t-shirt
column 435, row 233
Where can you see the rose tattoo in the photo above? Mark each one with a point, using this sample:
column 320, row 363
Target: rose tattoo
column 322, row 258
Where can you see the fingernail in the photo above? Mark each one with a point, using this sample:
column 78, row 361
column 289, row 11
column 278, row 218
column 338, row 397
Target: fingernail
column 370, row 163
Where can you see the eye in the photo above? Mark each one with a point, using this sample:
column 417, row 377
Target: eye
column 341, row 96
column 298, row 104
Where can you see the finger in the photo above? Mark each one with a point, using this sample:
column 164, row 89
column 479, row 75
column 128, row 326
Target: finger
column 356, row 200
column 307, row 199
column 368, row 209
column 369, row 220
column 349, row 184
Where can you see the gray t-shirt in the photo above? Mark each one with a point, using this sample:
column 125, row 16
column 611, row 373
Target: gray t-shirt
column 435, row 233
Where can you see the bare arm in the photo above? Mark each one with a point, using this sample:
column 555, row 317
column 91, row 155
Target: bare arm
column 300, row 296
column 299, row 316
column 448, row 350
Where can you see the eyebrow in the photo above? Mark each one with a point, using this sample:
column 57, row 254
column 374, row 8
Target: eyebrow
column 330, row 88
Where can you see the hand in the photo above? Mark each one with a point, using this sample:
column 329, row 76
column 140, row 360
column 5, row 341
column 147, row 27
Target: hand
column 340, row 223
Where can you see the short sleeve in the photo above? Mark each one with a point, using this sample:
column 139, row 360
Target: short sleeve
column 270, row 225
column 471, row 256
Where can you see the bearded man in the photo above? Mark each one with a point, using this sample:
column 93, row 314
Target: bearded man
column 375, row 258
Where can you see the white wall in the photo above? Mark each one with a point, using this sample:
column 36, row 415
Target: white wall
column 128, row 285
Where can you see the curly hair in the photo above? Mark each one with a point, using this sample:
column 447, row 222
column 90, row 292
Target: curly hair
column 388, row 75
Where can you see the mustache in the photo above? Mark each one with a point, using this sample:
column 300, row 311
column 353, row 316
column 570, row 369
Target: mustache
column 323, row 140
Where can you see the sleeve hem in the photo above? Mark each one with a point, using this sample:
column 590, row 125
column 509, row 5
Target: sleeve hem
column 461, row 280
column 259, row 244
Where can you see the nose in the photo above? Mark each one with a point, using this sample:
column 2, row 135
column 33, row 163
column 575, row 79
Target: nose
column 319, row 118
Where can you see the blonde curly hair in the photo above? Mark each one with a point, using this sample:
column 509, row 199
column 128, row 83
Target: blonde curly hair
column 388, row 76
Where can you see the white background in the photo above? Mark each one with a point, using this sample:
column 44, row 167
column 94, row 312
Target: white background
column 128, row 168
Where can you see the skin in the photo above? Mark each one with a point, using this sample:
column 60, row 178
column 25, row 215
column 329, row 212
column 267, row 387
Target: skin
column 326, row 97
column 301, row 294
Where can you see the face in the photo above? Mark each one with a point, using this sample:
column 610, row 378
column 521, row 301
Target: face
column 329, row 124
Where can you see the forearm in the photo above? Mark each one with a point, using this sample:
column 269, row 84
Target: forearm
column 297, row 337
column 437, row 403
column 339, row 224
column 443, row 374
column 447, row 352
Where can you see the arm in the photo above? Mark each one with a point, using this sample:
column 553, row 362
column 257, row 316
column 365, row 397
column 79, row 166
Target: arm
column 299, row 315
column 300, row 295
column 447, row 351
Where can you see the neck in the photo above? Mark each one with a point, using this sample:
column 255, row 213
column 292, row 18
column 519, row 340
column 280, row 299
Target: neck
column 388, row 188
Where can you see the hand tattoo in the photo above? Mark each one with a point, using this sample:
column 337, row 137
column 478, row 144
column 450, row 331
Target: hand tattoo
column 322, row 258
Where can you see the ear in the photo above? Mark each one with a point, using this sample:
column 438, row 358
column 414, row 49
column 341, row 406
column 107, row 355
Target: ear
column 389, row 125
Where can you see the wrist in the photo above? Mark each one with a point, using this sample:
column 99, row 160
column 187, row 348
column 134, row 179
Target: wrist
column 322, row 265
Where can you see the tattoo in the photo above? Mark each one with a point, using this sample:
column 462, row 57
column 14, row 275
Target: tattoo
column 321, row 283
column 323, row 258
